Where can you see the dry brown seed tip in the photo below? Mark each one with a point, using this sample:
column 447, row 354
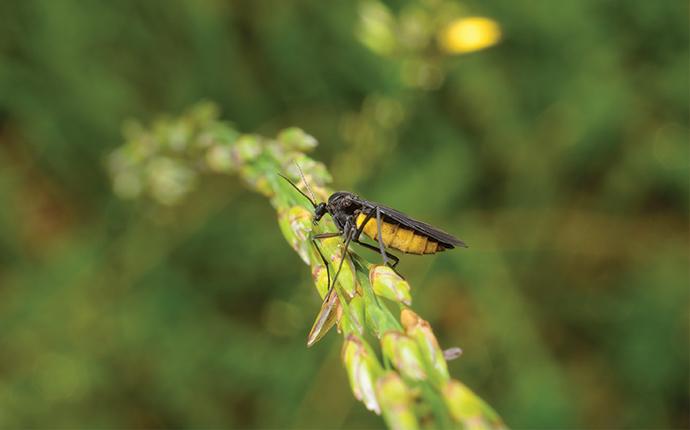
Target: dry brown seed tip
column 408, row 318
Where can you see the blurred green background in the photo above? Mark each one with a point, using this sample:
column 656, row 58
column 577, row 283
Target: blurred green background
column 560, row 156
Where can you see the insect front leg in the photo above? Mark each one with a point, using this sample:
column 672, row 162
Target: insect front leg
column 325, row 318
column 322, row 236
column 323, row 259
column 348, row 233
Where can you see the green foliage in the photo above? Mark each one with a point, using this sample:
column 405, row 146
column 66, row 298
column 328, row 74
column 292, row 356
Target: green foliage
column 559, row 155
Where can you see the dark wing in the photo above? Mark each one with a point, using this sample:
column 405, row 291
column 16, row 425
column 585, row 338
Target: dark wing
column 441, row 236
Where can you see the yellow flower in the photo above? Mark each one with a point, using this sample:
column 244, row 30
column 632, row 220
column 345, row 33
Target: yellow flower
column 468, row 34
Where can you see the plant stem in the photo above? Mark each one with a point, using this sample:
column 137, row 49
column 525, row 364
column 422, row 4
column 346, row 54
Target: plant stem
column 409, row 383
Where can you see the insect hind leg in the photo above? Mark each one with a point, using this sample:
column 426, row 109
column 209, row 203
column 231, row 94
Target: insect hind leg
column 382, row 246
column 381, row 249
column 390, row 256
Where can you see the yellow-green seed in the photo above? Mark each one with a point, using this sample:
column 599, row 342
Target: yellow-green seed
column 386, row 283
column 404, row 354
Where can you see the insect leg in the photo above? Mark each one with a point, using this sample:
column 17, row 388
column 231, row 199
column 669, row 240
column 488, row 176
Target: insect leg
column 373, row 248
column 322, row 236
column 325, row 263
column 369, row 215
column 349, row 233
column 382, row 247
column 325, row 317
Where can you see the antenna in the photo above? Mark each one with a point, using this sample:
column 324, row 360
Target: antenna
column 298, row 190
column 306, row 184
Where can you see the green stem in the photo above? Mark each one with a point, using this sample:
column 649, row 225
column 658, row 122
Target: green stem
column 404, row 380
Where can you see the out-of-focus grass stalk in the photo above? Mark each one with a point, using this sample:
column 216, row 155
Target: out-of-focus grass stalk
column 409, row 382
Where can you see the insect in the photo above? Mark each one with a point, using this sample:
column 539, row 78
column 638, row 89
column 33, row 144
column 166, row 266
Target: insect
column 389, row 228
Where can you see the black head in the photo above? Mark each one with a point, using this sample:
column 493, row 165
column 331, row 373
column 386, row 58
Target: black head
column 339, row 204
column 319, row 211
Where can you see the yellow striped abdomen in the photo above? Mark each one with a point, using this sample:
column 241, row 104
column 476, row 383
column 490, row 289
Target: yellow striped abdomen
column 398, row 237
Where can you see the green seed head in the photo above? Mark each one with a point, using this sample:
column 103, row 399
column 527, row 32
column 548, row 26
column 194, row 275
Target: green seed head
column 386, row 283
column 219, row 158
column 347, row 277
column 320, row 277
column 246, row 149
column 420, row 330
column 353, row 320
column 404, row 353
column 467, row 408
column 363, row 370
column 397, row 402
column 169, row 179
column 295, row 138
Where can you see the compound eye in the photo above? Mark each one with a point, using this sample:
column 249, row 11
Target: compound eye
column 319, row 211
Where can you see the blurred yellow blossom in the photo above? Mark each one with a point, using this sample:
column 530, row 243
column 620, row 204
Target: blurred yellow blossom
column 468, row 34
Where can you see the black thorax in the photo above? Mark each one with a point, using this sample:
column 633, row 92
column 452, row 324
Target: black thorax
column 343, row 206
